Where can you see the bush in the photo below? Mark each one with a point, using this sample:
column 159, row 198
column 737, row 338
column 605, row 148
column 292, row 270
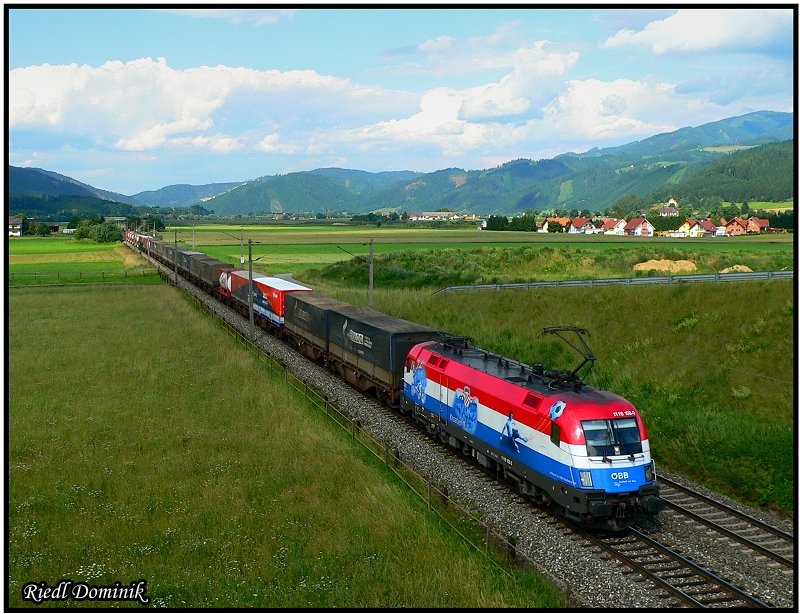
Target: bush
column 107, row 232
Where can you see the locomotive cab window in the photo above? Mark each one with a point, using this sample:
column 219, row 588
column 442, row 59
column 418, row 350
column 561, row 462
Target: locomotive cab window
column 612, row 437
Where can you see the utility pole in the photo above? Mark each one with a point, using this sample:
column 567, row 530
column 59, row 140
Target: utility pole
column 241, row 247
column 175, row 257
column 371, row 284
column 192, row 236
column 250, row 289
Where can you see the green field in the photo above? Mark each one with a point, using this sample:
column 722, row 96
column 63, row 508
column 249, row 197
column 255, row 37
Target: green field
column 280, row 249
column 144, row 442
column 786, row 205
column 62, row 260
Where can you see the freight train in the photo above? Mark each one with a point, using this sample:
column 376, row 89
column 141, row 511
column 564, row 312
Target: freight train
column 561, row 442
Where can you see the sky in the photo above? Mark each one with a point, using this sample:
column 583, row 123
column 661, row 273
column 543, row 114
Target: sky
column 138, row 98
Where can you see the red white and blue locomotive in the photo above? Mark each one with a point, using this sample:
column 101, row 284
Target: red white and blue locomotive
column 563, row 443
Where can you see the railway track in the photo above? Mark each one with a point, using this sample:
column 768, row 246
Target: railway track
column 678, row 580
column 761, row 538
column 683, row 582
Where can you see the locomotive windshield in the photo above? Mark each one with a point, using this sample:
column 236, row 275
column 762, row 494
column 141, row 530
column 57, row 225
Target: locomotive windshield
column 612, row 437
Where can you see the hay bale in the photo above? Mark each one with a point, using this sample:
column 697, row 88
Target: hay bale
column 667, row 266
column 737, row 268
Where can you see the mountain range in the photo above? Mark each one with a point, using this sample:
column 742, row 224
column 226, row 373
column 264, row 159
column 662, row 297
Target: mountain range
column 594, row 180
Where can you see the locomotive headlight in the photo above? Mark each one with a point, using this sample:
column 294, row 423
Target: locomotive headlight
column 649, row 474
column 586, row 478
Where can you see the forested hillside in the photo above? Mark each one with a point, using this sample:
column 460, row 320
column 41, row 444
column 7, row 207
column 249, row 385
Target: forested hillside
column 182, row 195
column 762, row 173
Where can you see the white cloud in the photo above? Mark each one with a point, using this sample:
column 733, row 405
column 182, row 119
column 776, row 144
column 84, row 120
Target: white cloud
column 530, row 72
column 438, row 126
column 436, row 44
column 272, row 144
column 694, row 29
column 595, row 110
column 257, row 17
column 144, row 104
column 446, row 56
column 215, row 143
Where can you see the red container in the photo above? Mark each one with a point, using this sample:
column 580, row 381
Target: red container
column 269, row 293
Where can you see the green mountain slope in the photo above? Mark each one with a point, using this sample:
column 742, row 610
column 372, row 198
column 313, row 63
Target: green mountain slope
column 284, row 193
column 182, row 195
column 38, row 182
column 362, row 182
column 762, row 173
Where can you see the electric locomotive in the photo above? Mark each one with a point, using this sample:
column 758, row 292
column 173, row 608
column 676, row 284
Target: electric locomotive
column 563, row 443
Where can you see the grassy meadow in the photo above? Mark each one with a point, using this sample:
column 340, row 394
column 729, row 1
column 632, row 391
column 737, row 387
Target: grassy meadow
column 786, row 205
column 144, row 442
column 63, row 260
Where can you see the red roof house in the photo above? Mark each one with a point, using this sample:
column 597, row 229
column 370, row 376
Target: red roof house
column 638, row 227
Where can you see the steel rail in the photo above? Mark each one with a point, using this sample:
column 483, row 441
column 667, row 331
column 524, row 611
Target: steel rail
column 736, row 591
column 726, row 508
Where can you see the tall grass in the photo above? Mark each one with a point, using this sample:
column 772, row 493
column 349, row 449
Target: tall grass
column 491, row 264
column 145, row 443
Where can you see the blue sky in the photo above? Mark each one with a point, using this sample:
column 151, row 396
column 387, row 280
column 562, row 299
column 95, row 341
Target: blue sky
column 136, row 99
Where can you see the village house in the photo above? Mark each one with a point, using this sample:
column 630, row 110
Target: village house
column 581, row 225
column 613, row 226
column 638, row 227
column 757, row 224
column 709, row 227
column 696, row 230
column 14, row 226
column 735, row 227
column 683, row 230
column 564, row 222
column 701, row 228
column 668, row 209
